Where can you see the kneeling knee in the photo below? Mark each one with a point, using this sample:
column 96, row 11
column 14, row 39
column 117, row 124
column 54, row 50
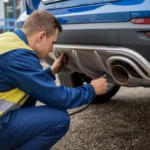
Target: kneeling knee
column 59, row 120
column 64, row 121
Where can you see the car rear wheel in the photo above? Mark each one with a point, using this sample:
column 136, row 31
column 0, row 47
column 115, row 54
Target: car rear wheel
column 76, row 79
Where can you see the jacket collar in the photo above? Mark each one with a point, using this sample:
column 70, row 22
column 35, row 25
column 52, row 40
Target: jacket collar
column 21, row 35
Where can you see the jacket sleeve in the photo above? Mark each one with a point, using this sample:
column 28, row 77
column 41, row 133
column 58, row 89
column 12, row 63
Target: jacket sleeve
column 25, row 72
column 49, row 72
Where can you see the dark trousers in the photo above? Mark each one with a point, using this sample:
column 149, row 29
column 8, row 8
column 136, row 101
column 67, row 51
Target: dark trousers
column 33, row 128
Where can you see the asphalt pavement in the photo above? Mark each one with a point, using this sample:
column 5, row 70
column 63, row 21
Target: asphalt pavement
column 121, row 124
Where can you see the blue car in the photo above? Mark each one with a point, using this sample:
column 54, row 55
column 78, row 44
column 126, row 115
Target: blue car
column 100, row 37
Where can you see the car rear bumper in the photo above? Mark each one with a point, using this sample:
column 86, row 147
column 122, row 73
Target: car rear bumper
column 122, row 65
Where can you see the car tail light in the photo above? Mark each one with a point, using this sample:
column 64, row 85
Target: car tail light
column 141, row 20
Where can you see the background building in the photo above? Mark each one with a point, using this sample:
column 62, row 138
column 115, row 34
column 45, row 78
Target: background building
column 10, row 10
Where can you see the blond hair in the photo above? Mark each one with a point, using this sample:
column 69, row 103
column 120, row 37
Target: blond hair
column 41, row 20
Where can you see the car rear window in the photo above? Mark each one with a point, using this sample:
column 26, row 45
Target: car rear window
column 55, row 4
column 52, row 1
column 77, row 1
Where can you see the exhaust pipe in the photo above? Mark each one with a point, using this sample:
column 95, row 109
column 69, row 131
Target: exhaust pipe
column 128, row 73
column 120, row 74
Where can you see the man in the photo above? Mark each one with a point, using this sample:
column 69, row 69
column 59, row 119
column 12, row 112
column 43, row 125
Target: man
column 23, row 81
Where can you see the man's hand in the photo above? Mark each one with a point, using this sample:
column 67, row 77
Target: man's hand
column 99, row 85
column 59, row 63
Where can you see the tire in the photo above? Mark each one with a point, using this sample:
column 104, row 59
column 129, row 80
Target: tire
column 77, row 79
column 108, row 95
column 70, row 80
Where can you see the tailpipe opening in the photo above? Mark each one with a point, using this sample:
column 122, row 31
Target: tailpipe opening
column 120, row 74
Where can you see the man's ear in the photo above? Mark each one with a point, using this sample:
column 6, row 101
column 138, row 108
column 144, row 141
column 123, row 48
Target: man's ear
column 41, row 35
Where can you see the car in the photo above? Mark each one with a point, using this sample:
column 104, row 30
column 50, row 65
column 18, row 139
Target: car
column 108, row 38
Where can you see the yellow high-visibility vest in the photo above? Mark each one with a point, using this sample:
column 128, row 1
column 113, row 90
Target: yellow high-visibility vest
column 10, row 100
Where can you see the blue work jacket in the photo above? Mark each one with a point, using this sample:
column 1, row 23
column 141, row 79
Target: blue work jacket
column 21, row 69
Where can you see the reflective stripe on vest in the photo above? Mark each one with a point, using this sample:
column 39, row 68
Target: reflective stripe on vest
column 6, row 106
column 10, row 100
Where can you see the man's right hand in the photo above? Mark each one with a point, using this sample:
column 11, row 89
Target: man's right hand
column 99, row 85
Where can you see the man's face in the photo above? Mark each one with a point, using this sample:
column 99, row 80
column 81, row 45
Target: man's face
column 45, row 44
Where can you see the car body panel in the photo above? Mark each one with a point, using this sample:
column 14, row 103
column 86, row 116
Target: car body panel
column 111, row 11
column 107, row 12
